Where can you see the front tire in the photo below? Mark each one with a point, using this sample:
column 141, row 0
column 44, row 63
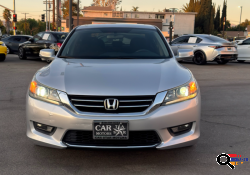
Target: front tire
column 222, row 61
column 21, row 54
column 8, row 50
column 199, row 58
column 2, row 58
column 241, row 61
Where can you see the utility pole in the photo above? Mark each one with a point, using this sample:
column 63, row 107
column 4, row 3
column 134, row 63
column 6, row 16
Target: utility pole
column 54, row 26
column 25, row 23
column 46, row 17
column 70, row 15
column 48, row 3
column 172, row 23
column 170, row 32
column 77, row 12
column 58, row 18
column 14, row 25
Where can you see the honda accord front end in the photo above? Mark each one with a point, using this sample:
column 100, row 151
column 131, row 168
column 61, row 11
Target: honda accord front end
column 114, row 86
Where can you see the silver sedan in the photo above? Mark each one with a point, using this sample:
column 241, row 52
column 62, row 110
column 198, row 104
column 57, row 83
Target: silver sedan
column 114, row 86
column 206, row 48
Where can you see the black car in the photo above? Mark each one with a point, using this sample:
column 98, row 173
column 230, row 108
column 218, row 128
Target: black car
column 42, row 40
column 12, row 42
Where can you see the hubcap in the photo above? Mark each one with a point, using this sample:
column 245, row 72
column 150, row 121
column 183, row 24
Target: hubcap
column 198, row 58
column 21, row 52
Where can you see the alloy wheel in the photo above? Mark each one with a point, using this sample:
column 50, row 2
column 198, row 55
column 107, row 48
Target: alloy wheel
column 21, row 52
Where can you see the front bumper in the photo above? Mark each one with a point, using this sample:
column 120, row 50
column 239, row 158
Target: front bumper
column 3, row 50
column 159, row 120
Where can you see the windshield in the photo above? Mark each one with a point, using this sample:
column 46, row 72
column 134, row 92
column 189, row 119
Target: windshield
column 115, row 43
column 217, row 39
column 60, row 36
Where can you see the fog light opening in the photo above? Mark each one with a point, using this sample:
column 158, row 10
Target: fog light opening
column 181, row 129
column 46, row 129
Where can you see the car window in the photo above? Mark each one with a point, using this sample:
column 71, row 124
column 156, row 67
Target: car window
column 60, row 36
column 8, row 38
column 50, row 38
column 246, row 42
column 115, row 43
column 16, row 39
column 24, row 39
column 38, row 36
column 46, row 36
column 198, row 40
column 216, row 39
column 181, row 40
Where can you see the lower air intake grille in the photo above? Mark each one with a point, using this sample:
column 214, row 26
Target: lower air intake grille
column 125, row 104
column 136, row 138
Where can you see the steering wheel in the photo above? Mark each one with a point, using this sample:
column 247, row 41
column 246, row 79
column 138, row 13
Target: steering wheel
column 142, row 50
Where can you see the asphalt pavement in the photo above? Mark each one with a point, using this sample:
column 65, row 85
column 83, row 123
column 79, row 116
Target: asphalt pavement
column 225, row 128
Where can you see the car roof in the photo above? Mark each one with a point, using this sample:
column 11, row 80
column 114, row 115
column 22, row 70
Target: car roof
column 96, row 26
column 23, row 35
column 54, row 32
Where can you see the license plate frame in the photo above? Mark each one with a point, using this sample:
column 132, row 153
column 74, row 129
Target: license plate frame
column 110, row 130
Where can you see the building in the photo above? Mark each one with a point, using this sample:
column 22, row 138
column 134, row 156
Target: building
column 183, row 22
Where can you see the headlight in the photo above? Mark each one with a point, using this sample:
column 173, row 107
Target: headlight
column 181, row 93
column 3, row 44
column 44, row 93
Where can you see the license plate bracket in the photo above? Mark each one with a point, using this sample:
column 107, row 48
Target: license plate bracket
column 110, row 130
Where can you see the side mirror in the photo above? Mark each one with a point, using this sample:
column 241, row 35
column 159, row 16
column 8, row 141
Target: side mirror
column 31, row 40
column 240, row 43
column 183, row 54
column 47, row 54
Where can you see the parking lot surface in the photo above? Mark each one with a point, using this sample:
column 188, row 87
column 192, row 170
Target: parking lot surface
column 225, row 128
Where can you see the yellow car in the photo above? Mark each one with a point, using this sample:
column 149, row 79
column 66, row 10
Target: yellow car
column 3, row 51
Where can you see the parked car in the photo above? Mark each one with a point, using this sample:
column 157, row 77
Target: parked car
column 243, row 48
column 206, row 48
column 3, row 51
column 12, row 42
column 114, row 86
column 40, row 41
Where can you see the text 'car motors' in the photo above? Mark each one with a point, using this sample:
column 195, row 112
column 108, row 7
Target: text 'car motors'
column 114, row 86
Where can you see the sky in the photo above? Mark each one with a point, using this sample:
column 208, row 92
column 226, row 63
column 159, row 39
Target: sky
column 35, row 7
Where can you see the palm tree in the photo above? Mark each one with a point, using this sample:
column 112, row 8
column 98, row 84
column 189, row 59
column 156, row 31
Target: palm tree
column 135, row 9
column 7, row 17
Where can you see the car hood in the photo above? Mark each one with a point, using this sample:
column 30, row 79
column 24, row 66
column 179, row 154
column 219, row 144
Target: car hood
column 113, row 77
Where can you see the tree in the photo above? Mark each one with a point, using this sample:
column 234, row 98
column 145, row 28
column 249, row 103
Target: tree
column 206, row 21
column 65, row 8
column 224, row 14
column 135, row 9
column 2, row 28
column 107, row 3
column 211, row 24
column 192, row 6
column 245, row 24
column 30, row 26
column 217, row 20
column 7, row 17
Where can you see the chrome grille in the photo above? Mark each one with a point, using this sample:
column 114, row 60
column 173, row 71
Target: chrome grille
column 127, row 104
